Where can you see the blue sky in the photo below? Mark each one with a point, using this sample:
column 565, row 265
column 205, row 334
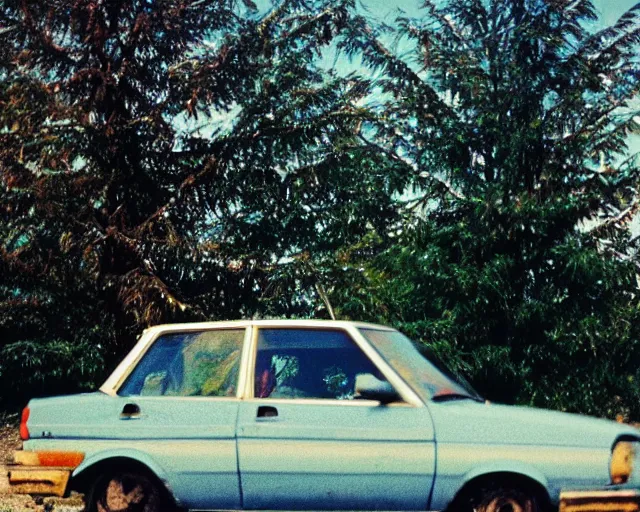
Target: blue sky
column 609, row 10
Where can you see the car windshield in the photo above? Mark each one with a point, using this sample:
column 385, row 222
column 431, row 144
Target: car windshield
column 424, row 373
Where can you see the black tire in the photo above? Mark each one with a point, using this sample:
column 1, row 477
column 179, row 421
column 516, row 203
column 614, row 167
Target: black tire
column 504, row 499
column 127, row 491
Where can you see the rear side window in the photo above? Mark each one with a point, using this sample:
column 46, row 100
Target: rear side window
column 188, row 364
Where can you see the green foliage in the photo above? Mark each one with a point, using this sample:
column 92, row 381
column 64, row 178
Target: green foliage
column 515, row 260
column 158, row 160
column 173, row 161
column 32, row 368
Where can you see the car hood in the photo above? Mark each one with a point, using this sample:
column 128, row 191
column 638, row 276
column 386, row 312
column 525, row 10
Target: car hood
column 466, row 421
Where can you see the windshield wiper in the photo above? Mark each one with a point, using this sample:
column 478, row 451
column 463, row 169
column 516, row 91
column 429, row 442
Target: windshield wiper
column 445, row 397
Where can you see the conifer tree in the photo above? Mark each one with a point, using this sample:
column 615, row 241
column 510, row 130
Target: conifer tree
column 160, row 161
column 515, row 257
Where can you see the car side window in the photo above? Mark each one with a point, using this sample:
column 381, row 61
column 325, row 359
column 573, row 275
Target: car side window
column 309, row 363
column 202, row 363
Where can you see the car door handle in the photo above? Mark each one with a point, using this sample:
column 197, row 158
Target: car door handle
column 130, row 411
column 267, row 412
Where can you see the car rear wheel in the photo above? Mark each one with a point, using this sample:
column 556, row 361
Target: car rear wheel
column 127, row 492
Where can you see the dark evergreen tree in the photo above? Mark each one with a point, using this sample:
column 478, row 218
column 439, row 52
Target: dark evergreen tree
column 515, row 257
column 169, row 161
column 165, row 161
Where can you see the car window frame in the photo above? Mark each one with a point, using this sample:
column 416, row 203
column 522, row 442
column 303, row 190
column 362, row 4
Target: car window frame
column 132, row 360
column 406, row 393
column 115, row 380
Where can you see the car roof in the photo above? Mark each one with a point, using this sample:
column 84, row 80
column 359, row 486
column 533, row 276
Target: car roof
column 264, row 322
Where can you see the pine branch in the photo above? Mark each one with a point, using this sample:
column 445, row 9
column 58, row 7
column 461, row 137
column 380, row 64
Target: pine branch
column 6, row 30
column 411, row 165
column 620, row 220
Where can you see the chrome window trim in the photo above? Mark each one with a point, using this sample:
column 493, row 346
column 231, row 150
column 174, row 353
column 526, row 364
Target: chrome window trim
column 325, row 401
column 245, row 361
column 199, row 398
column 404, row 390
column 251, row 368
column 114, row 381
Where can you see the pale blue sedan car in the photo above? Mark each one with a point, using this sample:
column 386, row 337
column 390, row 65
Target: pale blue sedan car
column 305, row 415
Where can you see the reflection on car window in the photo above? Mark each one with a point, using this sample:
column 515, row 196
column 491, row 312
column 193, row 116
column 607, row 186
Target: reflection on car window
column 427, row 376
column 189, row 364
column 308, row 363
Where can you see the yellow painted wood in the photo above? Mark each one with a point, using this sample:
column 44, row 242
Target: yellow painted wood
column 50, row 481
column 26, row 458
column 596, row 503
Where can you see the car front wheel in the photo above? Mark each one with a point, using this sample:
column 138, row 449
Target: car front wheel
column 504, row 500
column 126, row 492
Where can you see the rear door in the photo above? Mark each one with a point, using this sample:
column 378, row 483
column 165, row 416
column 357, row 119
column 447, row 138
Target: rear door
column 306, row 442
column 179, row 407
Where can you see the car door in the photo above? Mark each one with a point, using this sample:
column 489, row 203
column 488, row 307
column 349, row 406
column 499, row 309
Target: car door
column 179, row 407
column 305, row 442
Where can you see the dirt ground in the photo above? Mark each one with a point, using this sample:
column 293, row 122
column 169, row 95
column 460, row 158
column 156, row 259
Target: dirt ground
column 9, row 437
column 10, row 441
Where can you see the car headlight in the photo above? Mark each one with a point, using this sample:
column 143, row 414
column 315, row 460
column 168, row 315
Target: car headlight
column 622, row 461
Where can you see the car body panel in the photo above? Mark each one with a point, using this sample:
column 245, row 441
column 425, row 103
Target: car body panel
column 81, row 415
column 193, row 480
column 215, row 453
column 552, row 467
column 186, row 425
column 477, row 439
column 466, row 421
column 335, row 455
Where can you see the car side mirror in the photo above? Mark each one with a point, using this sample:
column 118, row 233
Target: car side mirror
column 370, row 388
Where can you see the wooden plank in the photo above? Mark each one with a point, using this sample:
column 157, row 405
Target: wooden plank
column 4, row 479
column 52, row 482
column 26, row 458
column 600, row 501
